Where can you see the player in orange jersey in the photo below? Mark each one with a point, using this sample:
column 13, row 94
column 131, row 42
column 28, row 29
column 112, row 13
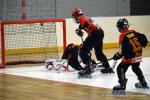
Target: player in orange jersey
column 131, row 43
column 93, row 40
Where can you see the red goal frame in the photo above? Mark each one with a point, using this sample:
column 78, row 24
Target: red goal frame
column 2, row 63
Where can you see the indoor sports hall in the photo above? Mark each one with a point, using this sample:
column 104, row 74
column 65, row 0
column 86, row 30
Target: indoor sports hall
column 34, row 33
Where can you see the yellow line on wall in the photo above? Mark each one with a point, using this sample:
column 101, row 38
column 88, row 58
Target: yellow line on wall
column 32, row 50
column 110, row 45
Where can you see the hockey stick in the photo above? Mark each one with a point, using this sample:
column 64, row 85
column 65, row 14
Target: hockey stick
column 62, row 65
column 81, row 38
column 82, row 43
column 50, row 63
column 114, row 64
column 94, row 65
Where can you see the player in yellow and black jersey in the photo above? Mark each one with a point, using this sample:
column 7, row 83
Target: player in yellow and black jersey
column 131, row 44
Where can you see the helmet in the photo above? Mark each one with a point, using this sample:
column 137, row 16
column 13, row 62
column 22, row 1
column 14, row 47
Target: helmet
column 75, row 13
column 122, row 24
column 70, row 45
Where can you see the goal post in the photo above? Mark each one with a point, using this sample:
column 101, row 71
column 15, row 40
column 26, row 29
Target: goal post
column 31, row 41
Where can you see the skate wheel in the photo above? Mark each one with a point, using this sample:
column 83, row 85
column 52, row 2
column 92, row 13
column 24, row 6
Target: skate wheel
column 147, row 87
column 139, row 86
column 79, row 77
column 88, row 76
column 144, row 88
column 107, row 71
column 84, row 77
column 118, row 92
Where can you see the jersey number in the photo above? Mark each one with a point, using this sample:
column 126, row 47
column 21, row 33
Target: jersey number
column 135, row 44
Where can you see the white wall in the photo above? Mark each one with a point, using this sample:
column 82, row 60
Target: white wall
column 138, row 23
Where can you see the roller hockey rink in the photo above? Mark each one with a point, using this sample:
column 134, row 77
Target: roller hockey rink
column 98, row 79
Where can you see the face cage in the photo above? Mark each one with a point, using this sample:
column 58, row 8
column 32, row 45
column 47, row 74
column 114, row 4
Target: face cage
column 120, row 29
column 75, row 20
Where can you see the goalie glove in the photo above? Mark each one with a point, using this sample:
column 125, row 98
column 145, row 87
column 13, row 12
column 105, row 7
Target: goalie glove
column 79, row 32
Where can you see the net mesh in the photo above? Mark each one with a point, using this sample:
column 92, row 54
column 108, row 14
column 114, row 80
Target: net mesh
column 30, row 43
column 0, row 46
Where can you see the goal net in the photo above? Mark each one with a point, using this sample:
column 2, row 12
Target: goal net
column 31, row 41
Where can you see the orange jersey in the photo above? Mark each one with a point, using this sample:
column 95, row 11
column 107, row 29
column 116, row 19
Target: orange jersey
column 86, row 25
column 133, row 41
column 123, row 34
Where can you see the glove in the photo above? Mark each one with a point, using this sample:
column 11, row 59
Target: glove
column 117, row 56
column 79, row 32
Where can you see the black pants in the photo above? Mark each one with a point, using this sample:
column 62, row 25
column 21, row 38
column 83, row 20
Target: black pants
column 75, row 64
column 122, row 68
column 94, row 41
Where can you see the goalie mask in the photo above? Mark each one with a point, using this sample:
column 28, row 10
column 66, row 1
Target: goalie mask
column 76, row 13
column 122, row 24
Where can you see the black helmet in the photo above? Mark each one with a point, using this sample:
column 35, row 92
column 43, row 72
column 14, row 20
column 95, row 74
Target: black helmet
column 122, row 24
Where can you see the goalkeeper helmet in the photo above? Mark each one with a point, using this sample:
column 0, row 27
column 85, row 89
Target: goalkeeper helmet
column 122, row 24
column 76, row 13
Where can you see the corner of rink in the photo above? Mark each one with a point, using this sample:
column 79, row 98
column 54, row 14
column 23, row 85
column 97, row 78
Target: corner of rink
column 97, row 80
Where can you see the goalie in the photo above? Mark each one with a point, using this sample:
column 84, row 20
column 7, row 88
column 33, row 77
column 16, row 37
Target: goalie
column 71, row 54
column 69, row 57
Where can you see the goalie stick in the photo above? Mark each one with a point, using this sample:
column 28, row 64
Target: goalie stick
column 54, row 66
column 56, row 62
